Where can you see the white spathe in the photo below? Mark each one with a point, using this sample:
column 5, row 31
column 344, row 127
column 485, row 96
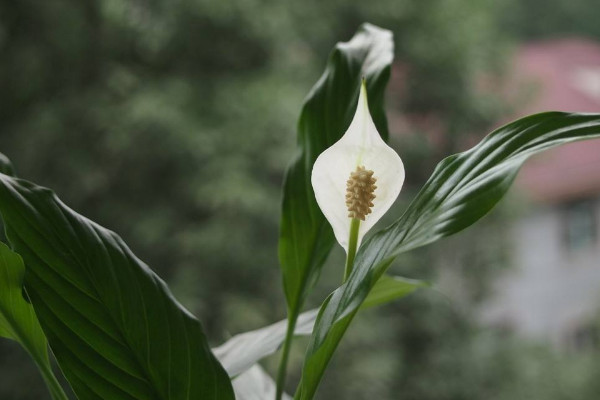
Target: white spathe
column 361, row 145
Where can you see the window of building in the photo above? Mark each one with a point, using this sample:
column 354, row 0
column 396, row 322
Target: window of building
column 580, row 230
column 583, row 338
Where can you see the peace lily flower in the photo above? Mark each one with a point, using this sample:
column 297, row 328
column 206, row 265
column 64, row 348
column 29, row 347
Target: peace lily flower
column 344, row 177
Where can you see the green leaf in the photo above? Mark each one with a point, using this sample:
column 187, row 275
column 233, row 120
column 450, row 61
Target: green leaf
column 18, row 320
column 306, row 238
column 113, row 325
column 389, row 288
column 244, row 350
column 386, row 289
column 17, row 317
column 463, row 188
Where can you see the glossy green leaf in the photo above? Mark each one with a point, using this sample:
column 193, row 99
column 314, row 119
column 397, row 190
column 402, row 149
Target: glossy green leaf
column 389, row 288
column 463, row 188
column 116, row 330
column 18, row 320
column 306, row 237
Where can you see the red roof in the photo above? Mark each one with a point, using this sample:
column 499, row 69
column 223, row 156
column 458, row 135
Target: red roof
column 566, row 173
column 564, row 75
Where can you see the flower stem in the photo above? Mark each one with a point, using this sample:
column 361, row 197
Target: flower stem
column 352, row 246
column 285, row 354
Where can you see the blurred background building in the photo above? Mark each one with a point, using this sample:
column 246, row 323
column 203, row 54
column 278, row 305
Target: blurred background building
column 171, row 123
column 553, row 292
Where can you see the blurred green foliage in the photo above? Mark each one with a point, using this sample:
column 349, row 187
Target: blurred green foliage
column 537, row 19
column 171, row 123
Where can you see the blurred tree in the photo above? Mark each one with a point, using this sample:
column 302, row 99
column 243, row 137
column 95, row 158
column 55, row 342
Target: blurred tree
column 536, row 19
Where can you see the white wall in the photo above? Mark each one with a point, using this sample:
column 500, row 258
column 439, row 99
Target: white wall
column 551, row 291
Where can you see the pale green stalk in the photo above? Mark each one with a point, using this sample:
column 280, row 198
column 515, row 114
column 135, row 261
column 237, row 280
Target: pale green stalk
column 352, row 247
column 287, row 346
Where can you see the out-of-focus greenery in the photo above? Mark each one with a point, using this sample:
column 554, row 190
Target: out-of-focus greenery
column 538, row 19
column 106, row 101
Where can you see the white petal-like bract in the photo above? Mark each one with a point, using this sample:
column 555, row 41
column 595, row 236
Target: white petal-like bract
column 361, row 145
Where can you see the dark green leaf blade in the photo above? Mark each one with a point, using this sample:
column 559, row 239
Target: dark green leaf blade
column 305, row 236
column 116, row 330
column 17, row 317
column 463, row 188
column 18, row 320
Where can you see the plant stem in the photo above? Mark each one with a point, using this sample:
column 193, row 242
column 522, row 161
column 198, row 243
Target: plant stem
column 287, row 346
column 352, row 245
column 293, row 315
